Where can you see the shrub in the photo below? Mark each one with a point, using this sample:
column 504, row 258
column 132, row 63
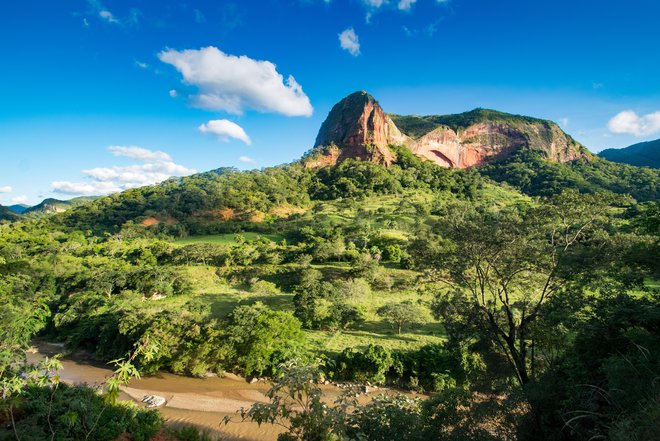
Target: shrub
column 264, row 287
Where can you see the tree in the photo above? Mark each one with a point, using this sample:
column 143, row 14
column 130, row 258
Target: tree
column 263, row 338
column 296, row 404
column 509, row 262
column 400, row 314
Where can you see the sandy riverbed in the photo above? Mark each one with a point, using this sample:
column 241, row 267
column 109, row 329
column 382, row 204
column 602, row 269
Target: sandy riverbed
column 203, row 402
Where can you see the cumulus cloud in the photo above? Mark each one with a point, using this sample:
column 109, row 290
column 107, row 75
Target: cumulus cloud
column 225, row 129
column 6, row 189
column 234, row 84
column 153, row 167
column 173, row 93
column 20, row 199
column 141, row 64
column 628, row 122
column 349, row 41
column 247, row 160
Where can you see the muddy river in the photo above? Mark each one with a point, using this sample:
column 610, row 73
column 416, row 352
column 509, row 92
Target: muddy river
column 203, row 402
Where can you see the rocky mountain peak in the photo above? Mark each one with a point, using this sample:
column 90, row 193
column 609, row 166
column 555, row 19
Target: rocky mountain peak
column 358, row 127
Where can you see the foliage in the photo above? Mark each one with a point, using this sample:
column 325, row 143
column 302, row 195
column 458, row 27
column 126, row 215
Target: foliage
column 531, row 174
column 510, row 262
column 400, row 314
column 644, row 154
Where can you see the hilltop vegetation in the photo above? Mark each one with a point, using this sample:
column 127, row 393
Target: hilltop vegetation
column 529, row 172
column 644, row 154
column 416, row 126
column 213, row 202
column 7, row 214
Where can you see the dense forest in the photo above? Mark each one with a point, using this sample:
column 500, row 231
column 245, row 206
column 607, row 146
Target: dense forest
column 521, row 297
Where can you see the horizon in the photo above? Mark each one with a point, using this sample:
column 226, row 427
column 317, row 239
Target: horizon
column 108, row 95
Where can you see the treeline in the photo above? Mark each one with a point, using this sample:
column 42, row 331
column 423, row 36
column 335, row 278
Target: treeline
column 530, row 173
column 197, row 204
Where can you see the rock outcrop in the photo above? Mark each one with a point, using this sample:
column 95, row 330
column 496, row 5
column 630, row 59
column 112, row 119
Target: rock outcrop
column 358, row 128
column 491, row 140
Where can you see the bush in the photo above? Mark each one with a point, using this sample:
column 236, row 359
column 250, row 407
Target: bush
column 353, row 289
column 365, row 365
column 264, row 287
column 79, row 412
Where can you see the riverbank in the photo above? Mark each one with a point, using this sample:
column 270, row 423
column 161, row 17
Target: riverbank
column 201, row 402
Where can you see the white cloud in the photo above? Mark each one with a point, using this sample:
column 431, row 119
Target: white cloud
column 96, row 8
column 20, row 200
column 141, row 64
column 405, row 5
column 108, row 16
column 629, row 122
column 563, row 122
column 173, row 93
column 6, row 189
column 374, row 3
column 225, row 129
column 154, row 167
column 348, row 40
column 84, row 189
column 234, row 84
column 247, row 160
column 139, row 153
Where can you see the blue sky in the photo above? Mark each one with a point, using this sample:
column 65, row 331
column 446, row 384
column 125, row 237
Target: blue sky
column 101, row 95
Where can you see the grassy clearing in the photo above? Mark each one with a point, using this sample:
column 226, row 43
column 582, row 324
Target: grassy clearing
column 221, row 298
column 227, row 239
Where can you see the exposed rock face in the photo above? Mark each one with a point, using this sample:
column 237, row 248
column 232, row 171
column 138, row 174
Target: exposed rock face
column 488, row 141
column 358, row 128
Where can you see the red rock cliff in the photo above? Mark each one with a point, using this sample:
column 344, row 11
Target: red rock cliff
column 359, row 128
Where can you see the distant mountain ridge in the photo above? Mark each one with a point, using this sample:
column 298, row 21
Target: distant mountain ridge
column 643, row 154
column 357, row 127
column 7, row 214
column 19, row 208
column 51, row 205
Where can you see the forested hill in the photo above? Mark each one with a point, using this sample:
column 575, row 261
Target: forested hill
column 7, row 214
column 211, row 202
column 644, row 154
column 50, row 205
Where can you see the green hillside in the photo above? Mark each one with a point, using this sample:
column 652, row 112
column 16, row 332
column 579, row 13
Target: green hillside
column 529, row 172
column 7, row 214
column 644, row 154
column 18, row 208
column 51, row 206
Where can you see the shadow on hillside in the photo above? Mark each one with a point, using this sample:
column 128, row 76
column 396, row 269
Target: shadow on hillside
column 222, row 305
column 381, row 327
